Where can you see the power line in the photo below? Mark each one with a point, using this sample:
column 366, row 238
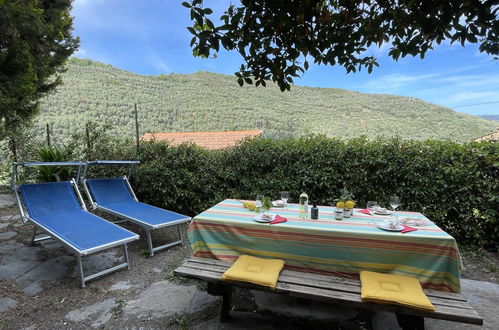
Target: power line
column 469, row 105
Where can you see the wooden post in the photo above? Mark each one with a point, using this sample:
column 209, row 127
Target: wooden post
column 48, row 134
column 87, row 133
column 13, row 147
column 137, row 128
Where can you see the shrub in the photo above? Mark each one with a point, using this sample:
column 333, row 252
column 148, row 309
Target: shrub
column 453, row 184
column 53, row 173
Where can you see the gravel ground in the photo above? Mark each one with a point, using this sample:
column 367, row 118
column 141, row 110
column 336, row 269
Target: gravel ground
column 49, row 309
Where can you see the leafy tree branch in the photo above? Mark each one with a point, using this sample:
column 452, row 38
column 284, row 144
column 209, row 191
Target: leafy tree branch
column 278, row 38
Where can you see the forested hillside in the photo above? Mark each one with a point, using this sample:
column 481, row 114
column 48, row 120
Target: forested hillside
column 206, row 101
column 491, row 117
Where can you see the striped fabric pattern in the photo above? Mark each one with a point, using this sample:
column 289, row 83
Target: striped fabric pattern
column 326, row 246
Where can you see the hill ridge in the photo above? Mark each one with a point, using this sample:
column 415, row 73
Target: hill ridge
column 208, row 101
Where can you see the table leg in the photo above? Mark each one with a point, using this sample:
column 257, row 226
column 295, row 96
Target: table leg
column 226, row 303
column 410, row 322
column 225, row 291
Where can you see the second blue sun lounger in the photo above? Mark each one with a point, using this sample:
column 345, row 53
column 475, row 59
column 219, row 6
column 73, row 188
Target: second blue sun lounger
column 54, row 208
column 115, row 196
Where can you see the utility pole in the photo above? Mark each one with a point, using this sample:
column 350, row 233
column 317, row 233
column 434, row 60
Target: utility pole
column 48, row 134
column 137, row 128
column 87, row 133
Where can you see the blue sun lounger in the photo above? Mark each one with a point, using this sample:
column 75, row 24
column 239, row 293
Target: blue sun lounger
column 54, row 208
column 115, row 196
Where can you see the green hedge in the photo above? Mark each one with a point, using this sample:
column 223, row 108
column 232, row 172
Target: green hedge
column 455, row 185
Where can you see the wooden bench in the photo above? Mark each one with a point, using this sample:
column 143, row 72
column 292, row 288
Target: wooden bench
column 450, row 306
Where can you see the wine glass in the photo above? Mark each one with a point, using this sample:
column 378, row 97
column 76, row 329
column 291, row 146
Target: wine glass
column 371, row 206
column 259, row 201
column 394, row 202
column 285, row 197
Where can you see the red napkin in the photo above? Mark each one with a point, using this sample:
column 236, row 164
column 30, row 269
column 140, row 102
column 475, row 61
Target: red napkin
column 365, row 211
column 278, row 219
column 407, row 229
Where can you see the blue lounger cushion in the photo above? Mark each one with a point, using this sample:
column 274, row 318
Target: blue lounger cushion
column 54, row 207
column 113, row 194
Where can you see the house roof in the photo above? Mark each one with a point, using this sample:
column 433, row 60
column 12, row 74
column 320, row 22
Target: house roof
column 494, row 136
column 208, row 140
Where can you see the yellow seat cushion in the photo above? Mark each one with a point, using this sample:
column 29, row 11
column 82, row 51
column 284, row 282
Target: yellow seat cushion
column 255, row 270
column 393, row 289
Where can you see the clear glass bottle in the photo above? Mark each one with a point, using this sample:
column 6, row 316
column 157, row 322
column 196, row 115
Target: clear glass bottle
column 303, row 205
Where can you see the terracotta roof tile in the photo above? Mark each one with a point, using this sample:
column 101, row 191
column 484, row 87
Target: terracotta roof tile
column 494, row 136
column 208, row 140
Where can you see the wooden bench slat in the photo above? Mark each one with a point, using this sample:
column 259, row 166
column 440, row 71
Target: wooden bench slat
column 341, row 284
column 335, row 279
column 327, row 288
column 442, row 312
column 312, row 276
column 291, row 277
column 294, row 278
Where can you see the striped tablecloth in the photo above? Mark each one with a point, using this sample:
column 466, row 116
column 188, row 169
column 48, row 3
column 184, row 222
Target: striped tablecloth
column 328, row 246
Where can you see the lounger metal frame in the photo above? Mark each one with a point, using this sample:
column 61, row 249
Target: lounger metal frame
column 147, row 227
column 51, row 235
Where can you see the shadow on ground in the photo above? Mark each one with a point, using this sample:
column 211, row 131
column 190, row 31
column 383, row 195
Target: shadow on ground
column 39, row 289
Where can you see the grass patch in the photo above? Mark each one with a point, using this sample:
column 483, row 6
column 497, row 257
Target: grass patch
column 118, row 308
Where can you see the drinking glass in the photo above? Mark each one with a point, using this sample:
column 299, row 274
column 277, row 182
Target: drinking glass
column 285, row 197
column 259, row 201
column 371, row 206
column 394, row 202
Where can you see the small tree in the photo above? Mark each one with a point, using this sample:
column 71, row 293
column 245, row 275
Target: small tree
column 35, row 41
column 277, row 38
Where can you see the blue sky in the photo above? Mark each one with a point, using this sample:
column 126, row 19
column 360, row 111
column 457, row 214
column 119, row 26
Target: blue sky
column 150, row 37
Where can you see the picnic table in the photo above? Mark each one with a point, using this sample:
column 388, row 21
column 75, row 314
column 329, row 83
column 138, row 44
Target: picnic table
column 327, row 246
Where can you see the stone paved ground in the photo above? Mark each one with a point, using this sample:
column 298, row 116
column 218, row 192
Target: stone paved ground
column 39, row 290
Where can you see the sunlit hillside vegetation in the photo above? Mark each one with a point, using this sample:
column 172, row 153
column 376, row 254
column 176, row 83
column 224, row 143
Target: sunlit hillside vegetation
column 206, row 101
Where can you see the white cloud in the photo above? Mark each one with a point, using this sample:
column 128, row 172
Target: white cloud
column 475, row 96
column 393, row 82
column 456, row 87
column 106, row 15
column 158, row 62
column 80, row 52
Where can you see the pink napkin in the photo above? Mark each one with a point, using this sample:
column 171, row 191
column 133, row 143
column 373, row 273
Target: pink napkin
column 278, row 219
column 407, row 229
column 365, row 211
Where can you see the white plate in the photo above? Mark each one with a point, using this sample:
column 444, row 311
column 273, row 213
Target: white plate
column 386, row 226
column 261, row 219
column 416, row 222
column 383, row 213
column 278, row 204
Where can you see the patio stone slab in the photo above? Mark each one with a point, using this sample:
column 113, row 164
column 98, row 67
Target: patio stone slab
column 100, row 313
column 7, row 303
column 121, row 286
column 6, row 218
column 50, row 270
column 484, row 298
column 7, row 235
column 16, row 259
column 163, row 299
column 22, row 263
column 7, row 200
column 97, row 262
